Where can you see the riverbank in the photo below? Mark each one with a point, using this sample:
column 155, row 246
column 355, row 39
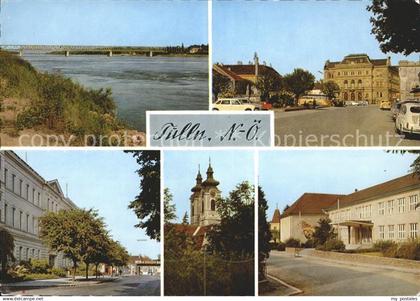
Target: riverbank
column 52, row 108
column 127, row 53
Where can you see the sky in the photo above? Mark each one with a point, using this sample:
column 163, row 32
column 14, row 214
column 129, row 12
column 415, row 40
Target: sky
column 294, row 34
column 104, row 180
column 230, row 167
column 286, row 175
column 103, row 22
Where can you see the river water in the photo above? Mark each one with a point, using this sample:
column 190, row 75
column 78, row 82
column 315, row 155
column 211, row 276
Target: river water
column 138, row 83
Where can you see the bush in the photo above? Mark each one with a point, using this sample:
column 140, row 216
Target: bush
column 293, row 243
column 383, row 245
column 280, row 246
column 409, row 250
column 309, row 244
column 58, row 272
column 39, row 266
column 334, row 245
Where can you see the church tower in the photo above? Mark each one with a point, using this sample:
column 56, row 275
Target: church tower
column 203, row 199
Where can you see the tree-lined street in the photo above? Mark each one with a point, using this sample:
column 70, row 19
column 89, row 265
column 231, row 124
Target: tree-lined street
column 318, row 277
column 145, row 285
column 339, row 126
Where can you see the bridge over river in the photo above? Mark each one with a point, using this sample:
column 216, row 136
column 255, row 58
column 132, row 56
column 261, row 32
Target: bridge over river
column 86, row 49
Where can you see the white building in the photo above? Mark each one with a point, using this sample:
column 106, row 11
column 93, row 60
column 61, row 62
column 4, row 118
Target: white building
column 387, row 211
column 24, row 197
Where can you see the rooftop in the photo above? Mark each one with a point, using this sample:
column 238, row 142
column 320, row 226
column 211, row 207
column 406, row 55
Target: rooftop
column 312, row 203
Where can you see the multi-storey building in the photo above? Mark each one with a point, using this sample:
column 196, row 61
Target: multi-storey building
column 203, row 200
column 24, row 197
column 362, row 78
column 387, row 211
column 409, row 78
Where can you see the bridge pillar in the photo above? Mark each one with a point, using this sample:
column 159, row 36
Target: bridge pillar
column 67, row 53
column 110, row 53
column 151, row 54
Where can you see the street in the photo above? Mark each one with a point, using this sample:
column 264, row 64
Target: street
column 336, row 126
column 316, row 277
column 125, row 286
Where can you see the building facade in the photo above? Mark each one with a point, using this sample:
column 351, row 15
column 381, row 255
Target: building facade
column 387, row 211
column 203, row 200
column 409, row 78
column 24, row 197
column 299, row 220
column 362, row 78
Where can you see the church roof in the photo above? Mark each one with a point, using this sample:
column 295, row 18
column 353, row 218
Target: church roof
column 197, row 233
column 276, row 216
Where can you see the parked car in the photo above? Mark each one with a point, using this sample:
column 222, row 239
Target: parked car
column 351, row 103
column 408, row 119
column 363, row 103
column 385, row 105
column 397, row 105
column 234, row 104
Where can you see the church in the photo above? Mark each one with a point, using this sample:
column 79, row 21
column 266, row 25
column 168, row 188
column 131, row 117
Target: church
column 203, row 199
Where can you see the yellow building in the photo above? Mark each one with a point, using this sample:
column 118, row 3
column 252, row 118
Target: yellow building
column 362, row 78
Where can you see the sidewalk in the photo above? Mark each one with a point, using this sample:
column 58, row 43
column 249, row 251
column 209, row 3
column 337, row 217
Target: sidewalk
column 59, row 282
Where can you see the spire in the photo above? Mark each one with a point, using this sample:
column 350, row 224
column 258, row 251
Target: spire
column 199, row 178
column 210, row 181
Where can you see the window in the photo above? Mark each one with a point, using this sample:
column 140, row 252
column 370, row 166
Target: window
column 27, row 223
column 413, row 202
column 213, row 205
column 413, row 230
column 33, row 225
column 401, row 205
column 5, row 177
column 382, row 232
column 20, row 254
column 390, row 207
column 5, row 214
column 13, row 182
column 381, row 208
column 27, row 191
column 39, row 199
column 401, row 231
column 202, row 207
column 33, row 196
column 20, row 187
column 13, row 216
column 391, row 231
column 20, row 220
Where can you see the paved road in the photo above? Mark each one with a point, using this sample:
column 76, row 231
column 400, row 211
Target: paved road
column 124, row 286
column 348, row 126
column 318, row 277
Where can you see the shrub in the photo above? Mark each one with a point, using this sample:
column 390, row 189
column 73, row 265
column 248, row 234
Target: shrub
column 383, row 245
column 279, row 246
column 293, row 243
column 309, row 244
column 58, row 272
column 334, row 245
column 409, row 250
column 39, row 266
column 391, row 251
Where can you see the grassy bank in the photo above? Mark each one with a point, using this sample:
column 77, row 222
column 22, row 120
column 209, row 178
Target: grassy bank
column 52, row 103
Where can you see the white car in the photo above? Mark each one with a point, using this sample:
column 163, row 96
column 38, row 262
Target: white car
column 234, row 104
column 408, row 119
column 351, row 103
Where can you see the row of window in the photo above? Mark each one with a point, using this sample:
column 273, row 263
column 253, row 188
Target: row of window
column 390, row 207
column 18, row 219
column 22, row 253
column 345, row 73
column 398, row 231
column 400, row 205
column 34, row 197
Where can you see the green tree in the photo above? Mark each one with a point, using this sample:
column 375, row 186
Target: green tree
column 169, row 207
column 330, row 88
column 396, row 25
column 299, row 82
column 233, row 238
column 74, row 232
column 147, row 204
column 264, row 235
column 221, row 84
column 117, row 255
column 323, row 231
column 267, row 83
column 7, row 245
column 185, row 218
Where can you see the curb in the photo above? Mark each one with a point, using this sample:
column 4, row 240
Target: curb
column 296, row 291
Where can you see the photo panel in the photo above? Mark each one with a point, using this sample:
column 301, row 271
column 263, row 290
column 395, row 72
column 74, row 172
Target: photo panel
column 333, row 220
column 209, row 235
column 333, row 72
column 80, row 223
column 84, row 73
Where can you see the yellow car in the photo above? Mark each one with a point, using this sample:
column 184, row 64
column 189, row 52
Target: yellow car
column 385, row 105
